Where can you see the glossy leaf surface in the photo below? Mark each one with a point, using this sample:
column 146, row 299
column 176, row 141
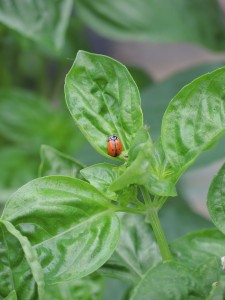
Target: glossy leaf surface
column 194, row 119
column 15, row 272
column 156, row 98
column 167, row 281
column 216, row 199
column 71, row 226
column 134, row 20
column 42, row 21
column 54, row 162
column 101, row 177
column 162, row 177
column 103, row 100
column 137, row 169
column 136, row 252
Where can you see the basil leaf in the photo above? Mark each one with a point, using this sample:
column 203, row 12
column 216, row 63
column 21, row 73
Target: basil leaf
column 35, row 122
column 201, row 252
column 42, row 21
column 103, row 99
column 167, row 281
column 11, row 296
column 69, row 224
column 218, row 290
column 162, row 177
column 194, row 119
column 137, row 169
column 87, row 288
column 136, row 252
column 54, row 162
column 101, row 177
column 215, row 199
column 16, row 277
column 150, row 21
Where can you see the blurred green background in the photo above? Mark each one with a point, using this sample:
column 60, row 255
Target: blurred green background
column 165, row 45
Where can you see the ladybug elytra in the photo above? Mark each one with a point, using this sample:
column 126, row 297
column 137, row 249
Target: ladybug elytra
column 114, row 146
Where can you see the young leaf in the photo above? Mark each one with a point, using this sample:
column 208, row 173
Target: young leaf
column 54, row 162
column 216, row 199
column 71, row 226
column 101, row 177
column 103, row 99
column 194, row 119
column 16, row 277
column 168, row 281
column 162, row 177
column 42, row 21
column 138, row 165
column 140, row 20
column 136, row 252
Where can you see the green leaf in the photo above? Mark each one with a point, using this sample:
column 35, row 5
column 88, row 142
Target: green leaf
column 150, row 20
column 18, row 162
column 218, row 290
column 137, row 168
column 101, row 177
column 30, row 256
column 35, row 122
column 11, row 296
column 165, row 90
column 161, row 179
column 103, row 99
column 71, row 226
column 54, row 162
column 201, row 253
column 42, row 21
column 167, row 281
column 16, row 278
column 194, row 119
column 87, row 288
column 215, row 199
column 136, row 252
column 197, row 247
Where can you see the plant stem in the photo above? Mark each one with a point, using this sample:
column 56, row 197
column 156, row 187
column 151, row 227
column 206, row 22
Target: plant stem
column 159, row 234
column 152, row 216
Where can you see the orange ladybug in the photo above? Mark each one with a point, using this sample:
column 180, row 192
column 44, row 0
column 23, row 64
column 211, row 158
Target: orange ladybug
column 114, row 146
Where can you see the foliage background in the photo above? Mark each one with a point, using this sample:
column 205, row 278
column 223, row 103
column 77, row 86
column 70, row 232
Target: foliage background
column 165, row 47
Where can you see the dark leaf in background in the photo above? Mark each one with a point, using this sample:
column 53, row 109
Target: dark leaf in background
column 54, row 162
column 42, row 21
column 198, row 22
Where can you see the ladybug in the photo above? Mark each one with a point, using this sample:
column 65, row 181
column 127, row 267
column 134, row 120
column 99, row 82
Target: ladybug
column 114, row 146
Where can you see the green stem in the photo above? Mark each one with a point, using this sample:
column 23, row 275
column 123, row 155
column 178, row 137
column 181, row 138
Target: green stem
column 152, row 215
column 159, row 234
